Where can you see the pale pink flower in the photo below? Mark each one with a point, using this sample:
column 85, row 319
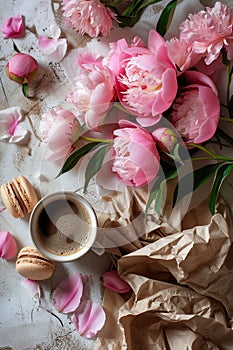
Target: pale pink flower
column 59, row 130
column 21, row 68
column 8, row 247
column 32, row 287
column 209, row 31
column 135, row 157
column 88, row 16
column 93, row 93
column 113, row 281
column 53, row 48
column 147, row 82
column 196, row 110
column 13, row 27
column 181, row 54
column 165, row 138
column 67, row 295
column 89, row 318
column 10, row 130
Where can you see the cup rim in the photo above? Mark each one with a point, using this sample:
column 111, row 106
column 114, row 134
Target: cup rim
column 47, row 199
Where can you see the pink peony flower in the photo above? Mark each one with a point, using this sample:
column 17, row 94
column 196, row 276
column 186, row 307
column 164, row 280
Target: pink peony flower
column 59, row 130
column 8, row 247
column 209, row 31
column 89, row 318
column 147, row 84
column 53, row 48
column 135, row 157
column 196, row 110
column 181, row 54
column 93, row 93
column 10, row 129
column 165, row 138
column 90, row 17
column 13, row 27
column 22, row 68
column 113, row 281
column 67, row 295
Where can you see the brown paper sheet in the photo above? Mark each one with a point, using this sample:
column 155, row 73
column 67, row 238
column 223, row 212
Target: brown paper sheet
column 181, row 277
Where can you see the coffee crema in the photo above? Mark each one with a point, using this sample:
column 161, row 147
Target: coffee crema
column 64, row 227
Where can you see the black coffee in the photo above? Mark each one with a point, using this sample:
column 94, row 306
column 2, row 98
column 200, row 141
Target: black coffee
column 64, row 227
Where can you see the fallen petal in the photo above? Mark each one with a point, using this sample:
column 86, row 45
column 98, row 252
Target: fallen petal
column 32, row 287
column 113, row 281
column 67, row 295
column 53, row 49
column 8, row 247
column 89, row 318
column 13, row 27
column 55, row 31
column 9, row 128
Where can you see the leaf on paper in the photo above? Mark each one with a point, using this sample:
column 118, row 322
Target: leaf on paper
column 221, row 173
column 94, row 164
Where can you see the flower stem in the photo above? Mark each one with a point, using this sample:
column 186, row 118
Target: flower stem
column 92, row 139
column 116, row 3
column 120, row 107
column 226, row 119
column 211, row 154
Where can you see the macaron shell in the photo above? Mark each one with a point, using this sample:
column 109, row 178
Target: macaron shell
column 33, row 265
column 10, row 201
column 26, row 192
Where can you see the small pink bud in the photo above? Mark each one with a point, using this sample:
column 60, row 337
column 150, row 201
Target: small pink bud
column 8, row 248
column 13, row 27
column 165, row 138
column 22, row 68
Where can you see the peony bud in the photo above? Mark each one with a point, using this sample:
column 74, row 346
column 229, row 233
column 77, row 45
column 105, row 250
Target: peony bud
column 22, row 68
column 8, row 248
column 165, row 138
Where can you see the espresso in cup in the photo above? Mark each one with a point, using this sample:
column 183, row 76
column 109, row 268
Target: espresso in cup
column 63, row 226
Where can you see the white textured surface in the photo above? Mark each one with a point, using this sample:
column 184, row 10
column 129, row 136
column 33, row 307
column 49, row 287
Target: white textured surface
column 22, row 325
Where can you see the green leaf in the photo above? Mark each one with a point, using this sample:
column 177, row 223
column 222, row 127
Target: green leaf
column 75, row 156
column 199, row 176
column 133, row 12
column 156, row 193
column 25, row 89
column 230, row 107
column 222, row 172
column 166, row 17
column 224, row 135
column 94, row 164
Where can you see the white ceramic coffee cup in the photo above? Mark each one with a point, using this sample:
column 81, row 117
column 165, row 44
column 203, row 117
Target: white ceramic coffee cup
column 65, row 199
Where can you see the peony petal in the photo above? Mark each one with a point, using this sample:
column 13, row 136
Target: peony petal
column 113, row 281
column 32, row 287
column 9, row 128
column 55, row 31
column 89, row 318
column 68, row 293
column 8, row 247
column 53, row 49
column 13, row 27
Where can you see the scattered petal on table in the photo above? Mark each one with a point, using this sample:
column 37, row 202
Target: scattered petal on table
column 13, row 27
column 89, row 318
column 68, row 293
column 32, row 287
column 113, row 281
column 9, row 128
column 8, row 247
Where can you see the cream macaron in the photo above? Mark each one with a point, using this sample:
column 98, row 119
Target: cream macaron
column 32, row 264
column 19, row 197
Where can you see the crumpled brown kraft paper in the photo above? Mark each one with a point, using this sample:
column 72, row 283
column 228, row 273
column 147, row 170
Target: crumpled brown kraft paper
column 181, row 278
